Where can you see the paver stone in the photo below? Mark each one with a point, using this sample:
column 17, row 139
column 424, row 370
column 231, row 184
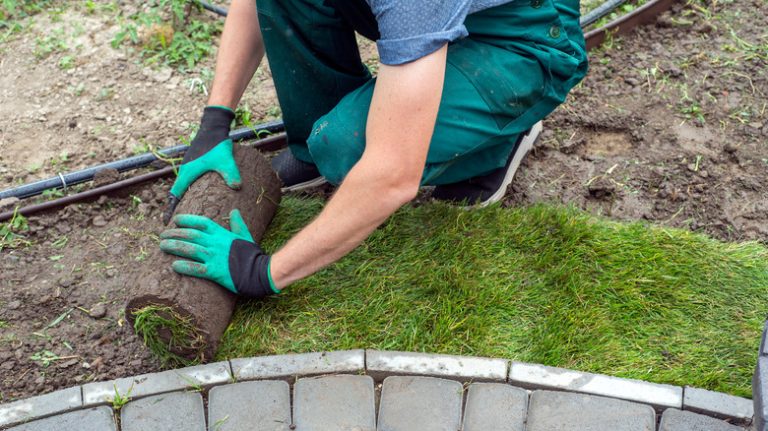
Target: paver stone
column 334, row 403
column 678, row 420
column 564, row 411
column 175, row 411
column 95, row 419
column 420, row 404
column 250, row 406
column 495, row 406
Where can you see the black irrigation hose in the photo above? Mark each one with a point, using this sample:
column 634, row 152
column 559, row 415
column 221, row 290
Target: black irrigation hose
column 599, row 12
column 135, row 162
column 213, row 8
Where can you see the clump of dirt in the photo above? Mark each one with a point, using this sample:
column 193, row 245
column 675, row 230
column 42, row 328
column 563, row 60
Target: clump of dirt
column 671, row 126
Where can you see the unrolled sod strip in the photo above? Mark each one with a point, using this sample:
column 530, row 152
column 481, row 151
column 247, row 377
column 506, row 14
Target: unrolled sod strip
column 181, row 318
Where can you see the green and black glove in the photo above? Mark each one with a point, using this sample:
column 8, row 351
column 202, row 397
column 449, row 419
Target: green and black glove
column 211, row 150
column 228, row 257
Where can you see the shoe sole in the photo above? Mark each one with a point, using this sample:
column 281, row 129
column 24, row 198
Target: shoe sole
column 522, row 150
column 319, row 181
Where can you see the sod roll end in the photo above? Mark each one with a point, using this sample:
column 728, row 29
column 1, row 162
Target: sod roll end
column 180, row 318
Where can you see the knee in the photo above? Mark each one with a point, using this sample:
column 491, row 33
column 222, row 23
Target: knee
column 335, row 146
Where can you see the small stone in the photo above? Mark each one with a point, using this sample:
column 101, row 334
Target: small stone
column 14, row 305
column 102, row 200
column 674, row 71
column 98, row 311
column 99, row 221
column 98, row 362
column 68, row 363
column 691, row 167
column 111, row 272
column 66, row 282
column 163, row 74
column 632, row 81
column 730, row 148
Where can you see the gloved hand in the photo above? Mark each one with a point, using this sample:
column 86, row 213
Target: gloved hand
column 211, row 150
column 230, row 258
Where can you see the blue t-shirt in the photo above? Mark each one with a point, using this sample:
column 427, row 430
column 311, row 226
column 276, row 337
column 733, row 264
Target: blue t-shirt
column 411, row 29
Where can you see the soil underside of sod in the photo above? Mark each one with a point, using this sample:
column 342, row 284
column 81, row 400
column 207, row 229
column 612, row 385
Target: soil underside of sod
column 670, row 126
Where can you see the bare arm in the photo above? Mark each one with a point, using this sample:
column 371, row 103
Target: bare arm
column 400, row 125
column 240, row 53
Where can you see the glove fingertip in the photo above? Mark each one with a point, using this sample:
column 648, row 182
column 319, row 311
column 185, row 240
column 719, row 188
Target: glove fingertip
column 186, row 267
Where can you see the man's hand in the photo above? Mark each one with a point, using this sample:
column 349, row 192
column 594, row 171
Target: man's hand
column 228, row 257
column 211, row 150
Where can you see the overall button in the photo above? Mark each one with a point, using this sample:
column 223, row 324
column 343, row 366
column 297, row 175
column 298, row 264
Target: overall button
column 554, row 32
column 536, row 3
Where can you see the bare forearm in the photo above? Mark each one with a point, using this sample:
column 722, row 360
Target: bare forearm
column 361, row 204
column 240, row 53
column 400, row 125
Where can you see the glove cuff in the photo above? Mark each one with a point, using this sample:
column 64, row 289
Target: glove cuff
column 215, row 118
column 249, row 269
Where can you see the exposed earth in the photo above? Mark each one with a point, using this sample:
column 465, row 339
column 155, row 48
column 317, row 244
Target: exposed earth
column 670, row 126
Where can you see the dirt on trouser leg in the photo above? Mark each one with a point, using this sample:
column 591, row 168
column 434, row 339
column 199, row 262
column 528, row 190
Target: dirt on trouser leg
column 182, row 318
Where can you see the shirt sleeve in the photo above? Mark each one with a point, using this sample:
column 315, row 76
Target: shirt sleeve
column 411, row 29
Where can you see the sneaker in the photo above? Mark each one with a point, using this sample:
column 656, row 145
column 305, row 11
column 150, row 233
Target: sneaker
column 295, row 174
column 486, row 189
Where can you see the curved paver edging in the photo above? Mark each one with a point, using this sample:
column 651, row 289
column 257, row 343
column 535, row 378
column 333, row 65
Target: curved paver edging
column 226, row 376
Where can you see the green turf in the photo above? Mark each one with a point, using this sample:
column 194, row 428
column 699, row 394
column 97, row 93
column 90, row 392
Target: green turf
column 541, row 284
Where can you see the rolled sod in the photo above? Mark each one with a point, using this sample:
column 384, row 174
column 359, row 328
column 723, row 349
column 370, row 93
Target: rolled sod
column 180, row 318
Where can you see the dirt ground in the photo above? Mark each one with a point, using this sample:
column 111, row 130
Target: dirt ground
column 670, row 126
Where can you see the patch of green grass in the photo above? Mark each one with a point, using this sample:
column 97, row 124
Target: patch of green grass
column 12, row 231
column 119, row 400
column 168, row 34
column 540, row 284
column 52, row 43
column 185, row 340
column 17, row 9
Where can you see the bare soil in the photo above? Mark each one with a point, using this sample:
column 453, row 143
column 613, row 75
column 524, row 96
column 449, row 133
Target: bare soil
column 670, row 126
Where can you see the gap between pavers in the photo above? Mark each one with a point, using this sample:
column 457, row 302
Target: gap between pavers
column 381, row 364
column 534, row 376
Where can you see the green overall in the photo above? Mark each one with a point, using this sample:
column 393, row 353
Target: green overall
column 517, row 64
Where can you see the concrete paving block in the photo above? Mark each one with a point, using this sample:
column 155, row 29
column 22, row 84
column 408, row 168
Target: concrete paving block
column 95, row 419
column 304, row 364
column 40, row 406
column 717, row 404
column 677, row 420
column 760, row 393
column 201, row 376
column 177, row 411
column 250, row 406
column 564, row 411
column 535, row 376
column 340, row 402
column 495, row 406
column 381, row 364
column 413, row 403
